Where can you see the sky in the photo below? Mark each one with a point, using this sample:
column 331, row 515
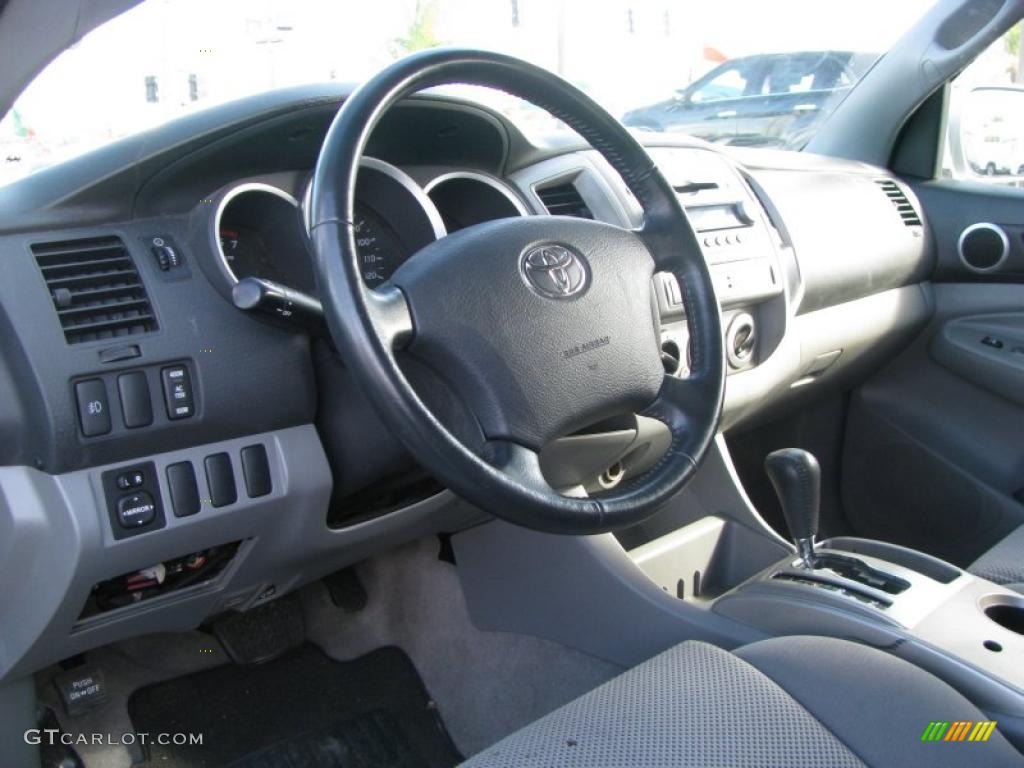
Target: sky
column 626, row 53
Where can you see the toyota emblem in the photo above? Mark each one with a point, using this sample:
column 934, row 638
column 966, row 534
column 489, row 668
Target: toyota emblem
column 554, row 271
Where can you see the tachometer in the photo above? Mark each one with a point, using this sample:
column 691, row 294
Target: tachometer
column 258, row 234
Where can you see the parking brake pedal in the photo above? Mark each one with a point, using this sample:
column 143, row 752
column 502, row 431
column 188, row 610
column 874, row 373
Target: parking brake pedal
column 262, row 633
column 81, row 689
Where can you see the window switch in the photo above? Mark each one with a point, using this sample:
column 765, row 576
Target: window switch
column 93, row 409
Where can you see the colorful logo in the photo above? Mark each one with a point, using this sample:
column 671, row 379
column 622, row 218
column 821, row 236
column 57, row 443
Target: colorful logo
column 958, row 730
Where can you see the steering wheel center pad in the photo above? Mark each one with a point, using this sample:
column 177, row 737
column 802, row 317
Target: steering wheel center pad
column 535, row 366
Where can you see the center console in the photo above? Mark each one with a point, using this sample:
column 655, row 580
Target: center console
column 966, row 630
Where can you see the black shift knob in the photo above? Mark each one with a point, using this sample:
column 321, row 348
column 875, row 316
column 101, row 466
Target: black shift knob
column 797, row 479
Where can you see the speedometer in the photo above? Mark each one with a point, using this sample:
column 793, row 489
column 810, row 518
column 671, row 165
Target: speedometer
column 380, row 251
column 392, row 217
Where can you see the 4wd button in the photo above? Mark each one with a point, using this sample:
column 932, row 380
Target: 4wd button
column 135, row 510
column 177, row 392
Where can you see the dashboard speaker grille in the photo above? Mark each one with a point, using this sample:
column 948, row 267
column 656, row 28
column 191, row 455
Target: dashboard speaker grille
column 564, row 200
column 96, row 289
column 899, row 199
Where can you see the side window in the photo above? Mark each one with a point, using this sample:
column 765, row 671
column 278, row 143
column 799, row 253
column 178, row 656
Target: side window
column 730, row 83
column 985, row 130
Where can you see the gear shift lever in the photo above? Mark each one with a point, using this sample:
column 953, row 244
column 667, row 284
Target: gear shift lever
column 796, row 476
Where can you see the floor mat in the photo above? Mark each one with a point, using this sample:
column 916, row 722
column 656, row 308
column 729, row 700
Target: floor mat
column 299, row 711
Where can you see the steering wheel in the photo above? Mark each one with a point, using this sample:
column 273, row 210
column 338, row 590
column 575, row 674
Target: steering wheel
column 540, row 325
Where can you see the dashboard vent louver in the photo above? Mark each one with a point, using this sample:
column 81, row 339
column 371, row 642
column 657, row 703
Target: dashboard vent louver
column 96, row 289
column 564, row 200
column 899, row 199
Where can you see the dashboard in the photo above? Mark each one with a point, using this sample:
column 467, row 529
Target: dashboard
column 152, row 414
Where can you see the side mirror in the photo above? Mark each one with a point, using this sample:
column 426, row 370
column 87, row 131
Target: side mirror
column 986, row 133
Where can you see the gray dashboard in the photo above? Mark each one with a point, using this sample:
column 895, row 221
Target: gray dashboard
column 820, row 269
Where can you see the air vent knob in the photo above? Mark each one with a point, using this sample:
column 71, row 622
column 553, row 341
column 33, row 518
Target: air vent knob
column 62, row 298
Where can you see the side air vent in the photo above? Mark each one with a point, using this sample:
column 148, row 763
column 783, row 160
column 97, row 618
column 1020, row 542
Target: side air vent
column 899, row 199
column 95, row 288
column 564, row 200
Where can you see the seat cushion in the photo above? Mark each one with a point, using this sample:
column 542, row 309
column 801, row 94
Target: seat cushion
column 875, row 703
column 697, row 705
column 1004, row 563
column 693, row 705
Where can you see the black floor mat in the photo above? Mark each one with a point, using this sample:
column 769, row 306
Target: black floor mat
column 303, row 710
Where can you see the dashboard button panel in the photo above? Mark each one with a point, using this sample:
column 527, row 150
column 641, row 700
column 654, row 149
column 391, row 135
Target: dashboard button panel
column 112, row 404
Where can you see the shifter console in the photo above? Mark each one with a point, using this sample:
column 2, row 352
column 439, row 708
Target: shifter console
column 964, row 629
column 796, row 476
column 857, row 570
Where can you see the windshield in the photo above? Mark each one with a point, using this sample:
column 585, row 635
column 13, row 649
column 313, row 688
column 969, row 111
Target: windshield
column 750, row 72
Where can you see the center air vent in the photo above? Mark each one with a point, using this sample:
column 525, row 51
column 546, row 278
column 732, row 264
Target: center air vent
column 95, row 288
column 899, row 199
column 564, row 200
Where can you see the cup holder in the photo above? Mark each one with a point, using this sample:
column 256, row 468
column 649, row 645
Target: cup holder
column 1005, row 610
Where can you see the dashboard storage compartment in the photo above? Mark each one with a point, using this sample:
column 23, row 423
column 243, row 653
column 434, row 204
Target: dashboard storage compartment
column 158, row 580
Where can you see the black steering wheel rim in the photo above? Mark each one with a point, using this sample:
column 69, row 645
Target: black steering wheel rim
column 369, row 325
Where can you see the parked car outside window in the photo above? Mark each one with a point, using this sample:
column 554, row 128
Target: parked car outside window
column 766, row 100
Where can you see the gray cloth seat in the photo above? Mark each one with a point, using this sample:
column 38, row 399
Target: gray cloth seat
column 793, row 702
column 1004, row 563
